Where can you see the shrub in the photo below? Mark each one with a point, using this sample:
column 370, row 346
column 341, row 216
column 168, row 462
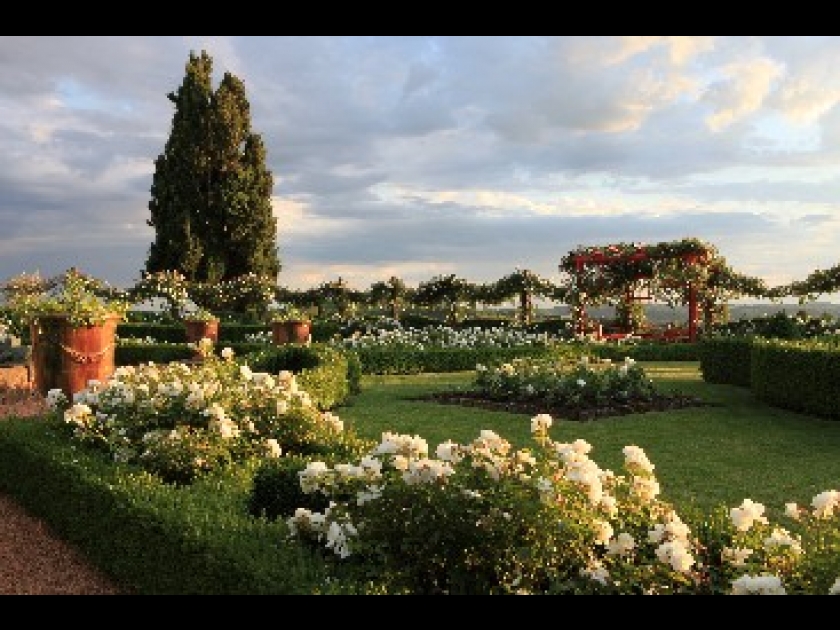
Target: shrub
column 484, row 518
column 726, row 360
column 276, row 491
column 330, row 375
column 181, row 421
column 801, row 376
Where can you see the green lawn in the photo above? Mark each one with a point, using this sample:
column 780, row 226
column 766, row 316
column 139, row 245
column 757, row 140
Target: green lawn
column 706, row 456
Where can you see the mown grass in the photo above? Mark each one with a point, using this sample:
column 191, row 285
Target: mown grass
column 735, row 448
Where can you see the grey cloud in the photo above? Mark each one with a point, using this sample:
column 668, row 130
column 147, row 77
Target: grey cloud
column 340, row 115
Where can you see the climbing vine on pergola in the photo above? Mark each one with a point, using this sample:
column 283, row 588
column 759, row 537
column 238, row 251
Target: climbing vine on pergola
column 687, row 271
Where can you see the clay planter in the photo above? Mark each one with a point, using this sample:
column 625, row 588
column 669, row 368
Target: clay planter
column 290, row 332
column 66, row 357
column 198, row 330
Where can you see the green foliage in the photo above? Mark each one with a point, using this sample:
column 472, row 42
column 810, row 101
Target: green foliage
column 183, row 455
column 575, row 384
column 200, row 539
column 288, row 313
column 211, row 191
column 522, row 285
column 136, row 354
column 449, row 292
column 403, row 360
column 276, row 492
column 230, row 332
column 392, row 294
column 780, row 326
column 181, row 422
column 487, row 518
column 726, row 360
column 323, row 371
column 643, row 351
column 801, row 376
column 82, row 299
column 148, row 536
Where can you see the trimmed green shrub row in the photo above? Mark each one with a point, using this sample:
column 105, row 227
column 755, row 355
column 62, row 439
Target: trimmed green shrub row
column 392, row 360
column 801, row 375
column 143, row 532
column 726, row 360
column 135, row 354
column 797, row 375
column 330, row 375
column 645, row 351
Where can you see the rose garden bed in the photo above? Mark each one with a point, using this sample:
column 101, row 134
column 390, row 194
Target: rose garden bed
column 663, row 402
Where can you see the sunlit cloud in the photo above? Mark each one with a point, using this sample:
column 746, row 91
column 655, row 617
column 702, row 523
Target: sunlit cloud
column 741, row 91
column 416, row 156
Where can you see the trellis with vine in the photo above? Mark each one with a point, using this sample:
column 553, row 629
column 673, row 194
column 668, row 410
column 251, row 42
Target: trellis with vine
column 687, row 271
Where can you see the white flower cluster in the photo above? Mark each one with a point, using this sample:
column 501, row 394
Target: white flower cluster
column 446, row 337
column 228, row 399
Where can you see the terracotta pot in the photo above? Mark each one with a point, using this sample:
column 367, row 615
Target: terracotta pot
column 66, row 357
column 290, row 332
column 197, row 330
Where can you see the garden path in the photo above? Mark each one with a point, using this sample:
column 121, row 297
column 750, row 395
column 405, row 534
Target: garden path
column 34, row 560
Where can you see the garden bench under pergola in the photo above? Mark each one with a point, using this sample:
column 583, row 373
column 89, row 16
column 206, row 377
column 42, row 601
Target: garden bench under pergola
column 616, row 271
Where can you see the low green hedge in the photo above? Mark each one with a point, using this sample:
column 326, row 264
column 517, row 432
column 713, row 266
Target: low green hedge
column 645, row 351
column 137, row 354
column 168, row 333
column 392, row 360
column 177, row 333
column 330, row 376
column 800, row 376
column 141, row 532
column 726, row 360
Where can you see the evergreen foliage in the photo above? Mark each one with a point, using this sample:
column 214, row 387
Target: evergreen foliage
column 211, row 190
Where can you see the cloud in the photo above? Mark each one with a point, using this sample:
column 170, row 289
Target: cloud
column 741, row 91
column 415, row 155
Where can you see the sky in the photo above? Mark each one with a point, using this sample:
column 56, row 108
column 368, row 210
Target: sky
column 418, row 156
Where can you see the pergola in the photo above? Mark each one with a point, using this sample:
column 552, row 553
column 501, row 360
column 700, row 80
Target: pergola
column 631, row 263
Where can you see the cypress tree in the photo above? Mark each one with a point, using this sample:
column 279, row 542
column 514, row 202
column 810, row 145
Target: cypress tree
column 211, row 190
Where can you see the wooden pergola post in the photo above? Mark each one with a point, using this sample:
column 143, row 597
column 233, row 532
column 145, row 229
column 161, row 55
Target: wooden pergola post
column 692, row 312
column 580, row 309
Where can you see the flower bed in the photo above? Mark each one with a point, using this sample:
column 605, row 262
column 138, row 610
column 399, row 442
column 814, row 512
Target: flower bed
column 576, row 389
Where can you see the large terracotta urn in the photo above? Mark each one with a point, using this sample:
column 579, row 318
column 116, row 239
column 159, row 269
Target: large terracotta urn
column 292, row 331
column 66, row 356
column 198, row 330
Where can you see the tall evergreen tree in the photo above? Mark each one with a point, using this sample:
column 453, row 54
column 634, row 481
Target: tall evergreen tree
column 211, row 191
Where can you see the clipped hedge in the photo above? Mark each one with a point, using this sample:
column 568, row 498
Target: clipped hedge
column 276, row 491
column 726, row 360
column 168, row 333
column 392, row 360
column 330, row 376
column 150, row 538
column 801, row 376
column 229, row 333
column 645, row 351
column 137, row 354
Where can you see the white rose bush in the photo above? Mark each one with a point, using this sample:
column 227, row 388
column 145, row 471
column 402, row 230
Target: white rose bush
column 180, row 420
column 486, row 518
column 574, row 383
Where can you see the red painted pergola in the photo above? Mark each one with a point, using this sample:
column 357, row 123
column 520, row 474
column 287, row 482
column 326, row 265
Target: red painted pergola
column 640, row 254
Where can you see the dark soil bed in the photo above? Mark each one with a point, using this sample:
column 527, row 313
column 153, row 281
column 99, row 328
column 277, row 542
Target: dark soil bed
column 664, row 402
